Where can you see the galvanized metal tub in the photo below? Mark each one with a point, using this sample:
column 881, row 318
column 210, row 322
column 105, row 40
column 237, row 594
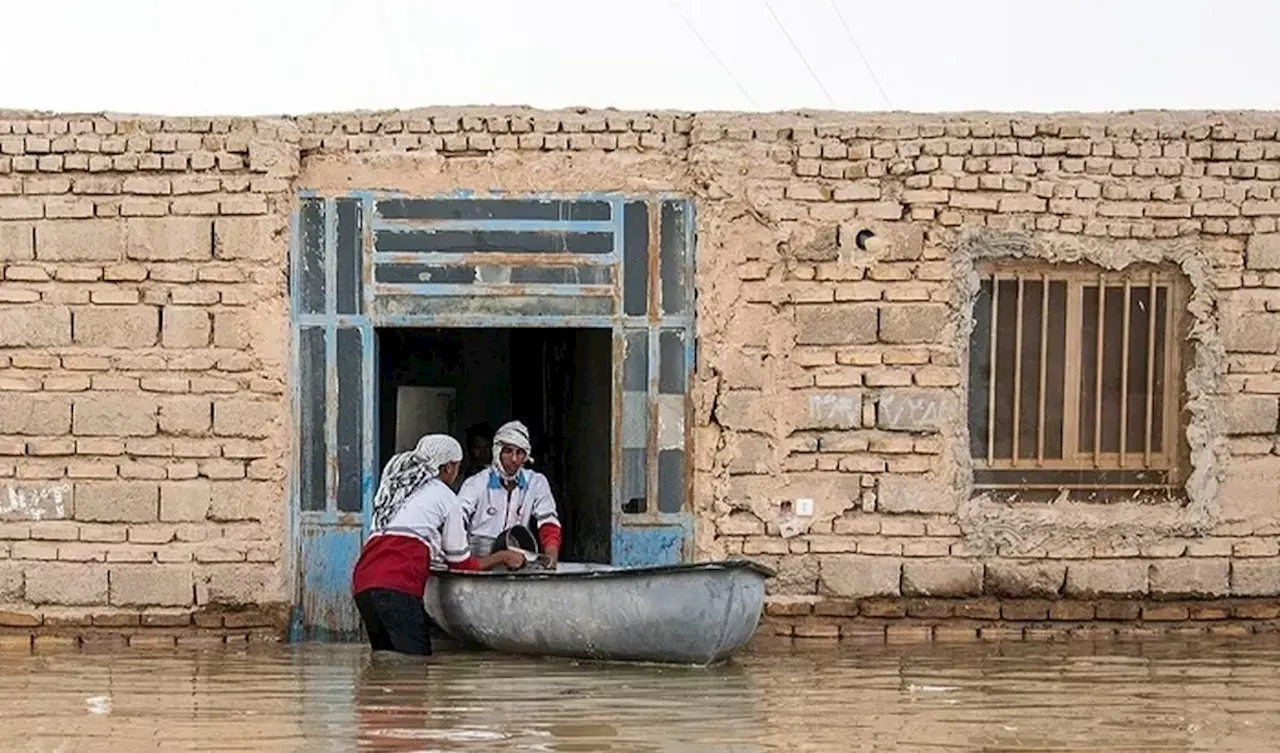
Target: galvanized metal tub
column 679, row 614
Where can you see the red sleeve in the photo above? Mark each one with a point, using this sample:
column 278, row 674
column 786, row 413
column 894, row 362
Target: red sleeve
column 470, row 563
column 548, row 535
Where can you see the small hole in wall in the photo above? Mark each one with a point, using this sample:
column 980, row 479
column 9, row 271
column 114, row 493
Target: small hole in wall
column 786, row 507
column 861, row 239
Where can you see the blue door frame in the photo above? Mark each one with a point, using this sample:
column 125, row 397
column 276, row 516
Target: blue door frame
column 367, row 260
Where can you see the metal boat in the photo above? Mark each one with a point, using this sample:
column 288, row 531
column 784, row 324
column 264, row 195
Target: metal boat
column 695, row 614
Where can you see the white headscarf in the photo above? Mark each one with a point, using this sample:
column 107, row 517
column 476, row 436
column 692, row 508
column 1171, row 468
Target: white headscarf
column 514, row 434
column 407, row 472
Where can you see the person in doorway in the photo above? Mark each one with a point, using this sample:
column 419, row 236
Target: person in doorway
column 479, row 442
column 416, row 518
column 507, row 494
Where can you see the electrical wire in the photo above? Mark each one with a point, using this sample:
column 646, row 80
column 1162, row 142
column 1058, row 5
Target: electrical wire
column 865, row 63
column 799, row 54
column 713, row 55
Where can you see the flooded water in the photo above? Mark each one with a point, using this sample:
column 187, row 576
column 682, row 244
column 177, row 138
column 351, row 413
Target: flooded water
column 1157, row 696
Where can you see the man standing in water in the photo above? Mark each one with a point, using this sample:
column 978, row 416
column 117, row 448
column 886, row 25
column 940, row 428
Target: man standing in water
column 415, row 517
column 507, row 494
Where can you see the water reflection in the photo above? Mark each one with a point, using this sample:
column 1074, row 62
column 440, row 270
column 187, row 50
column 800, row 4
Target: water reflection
column 1155, row 696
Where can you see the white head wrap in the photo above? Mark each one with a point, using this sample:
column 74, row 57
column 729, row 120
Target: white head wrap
column 514, row 434
column 408, row 471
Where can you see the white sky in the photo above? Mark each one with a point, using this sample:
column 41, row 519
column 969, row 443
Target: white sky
column 296, row 56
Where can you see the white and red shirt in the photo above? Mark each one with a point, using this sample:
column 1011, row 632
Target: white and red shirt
column 431, row 525
column 491, row 509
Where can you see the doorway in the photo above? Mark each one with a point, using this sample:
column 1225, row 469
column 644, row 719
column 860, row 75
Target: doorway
column 559, row 382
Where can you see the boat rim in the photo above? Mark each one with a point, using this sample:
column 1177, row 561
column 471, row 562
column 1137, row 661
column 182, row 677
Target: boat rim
column 612, row 572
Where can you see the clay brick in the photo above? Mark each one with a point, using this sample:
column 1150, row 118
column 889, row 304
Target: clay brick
column 915, row 494
column 912, row 323
column 169, row 239
column 166, row 619
column 151, row 585
column 17, row 241
column 80, row 240
column 117, row 326
column 34, row 326
column 42, row 415
column 978, row 609
column 237, row 585
column 825, row 410
column 1255, row 578
column 1190, row 577
column 185, row 327
column 856, row 576
column 836, row 608
column 11, row 582
column 114, row 415
column 1251, row 332
column 66, row 584
column 1113, row 577
column 256, row 238
column 776, row 608
column 919, row 410
column 1256, row 611
column 1025, row 610
column 186, row 416
column 1025, row 579
column 1165, row 612
column 941, row 578
column 117, row 501
column 185, row 500
column 1071, row 611
column 851, row 324
column 244, row 418
column 1263, row 251
column 1209, row 611
column 1253, row 414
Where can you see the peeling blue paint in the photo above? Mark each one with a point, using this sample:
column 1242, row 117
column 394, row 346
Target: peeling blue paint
column 648, row 546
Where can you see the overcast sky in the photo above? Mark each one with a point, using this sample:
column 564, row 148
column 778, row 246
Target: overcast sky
column 297, row 56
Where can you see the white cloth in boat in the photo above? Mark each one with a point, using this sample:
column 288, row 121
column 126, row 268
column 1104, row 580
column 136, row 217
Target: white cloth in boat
column 433, row 515
column 491, row 509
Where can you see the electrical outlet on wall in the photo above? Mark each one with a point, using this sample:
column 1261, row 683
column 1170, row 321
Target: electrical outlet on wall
column 804, row 507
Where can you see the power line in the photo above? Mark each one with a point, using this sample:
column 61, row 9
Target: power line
column 713, row 54
column 865, row 63
column 799, row 54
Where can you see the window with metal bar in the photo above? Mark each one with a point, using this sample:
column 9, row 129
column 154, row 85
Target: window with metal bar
column 1075, row 379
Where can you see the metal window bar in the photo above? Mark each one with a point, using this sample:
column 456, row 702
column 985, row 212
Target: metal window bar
column 1092, row 459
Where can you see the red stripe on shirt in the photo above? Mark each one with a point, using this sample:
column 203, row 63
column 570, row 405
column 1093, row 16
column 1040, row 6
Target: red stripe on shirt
column 548, row 535
column 398, row 563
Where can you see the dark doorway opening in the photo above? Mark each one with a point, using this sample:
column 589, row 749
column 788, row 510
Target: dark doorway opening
column 559, row 382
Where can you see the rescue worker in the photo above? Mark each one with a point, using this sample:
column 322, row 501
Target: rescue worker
column 506, row 495
column 416, row 518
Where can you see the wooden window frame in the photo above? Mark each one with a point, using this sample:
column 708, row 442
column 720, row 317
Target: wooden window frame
column 1126, row 469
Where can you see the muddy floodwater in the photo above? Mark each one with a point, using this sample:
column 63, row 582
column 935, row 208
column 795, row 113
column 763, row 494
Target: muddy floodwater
column 1163, row 695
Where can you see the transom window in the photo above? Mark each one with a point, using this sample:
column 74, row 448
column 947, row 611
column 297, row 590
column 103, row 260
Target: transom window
column 1072, row 389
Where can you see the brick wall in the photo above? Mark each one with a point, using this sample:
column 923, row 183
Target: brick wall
column 144, row 337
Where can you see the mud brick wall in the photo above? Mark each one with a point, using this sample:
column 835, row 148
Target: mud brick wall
column 143, row 352
column 144, row 438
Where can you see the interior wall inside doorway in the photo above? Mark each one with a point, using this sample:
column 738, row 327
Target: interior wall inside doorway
column 559, row 382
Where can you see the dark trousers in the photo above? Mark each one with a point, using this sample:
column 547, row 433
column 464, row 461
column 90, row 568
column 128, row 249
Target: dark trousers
column 395, row 621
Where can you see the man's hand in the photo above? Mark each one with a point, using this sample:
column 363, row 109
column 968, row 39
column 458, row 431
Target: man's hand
column 508, row 558
column 511, row 558
column 553, row 556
